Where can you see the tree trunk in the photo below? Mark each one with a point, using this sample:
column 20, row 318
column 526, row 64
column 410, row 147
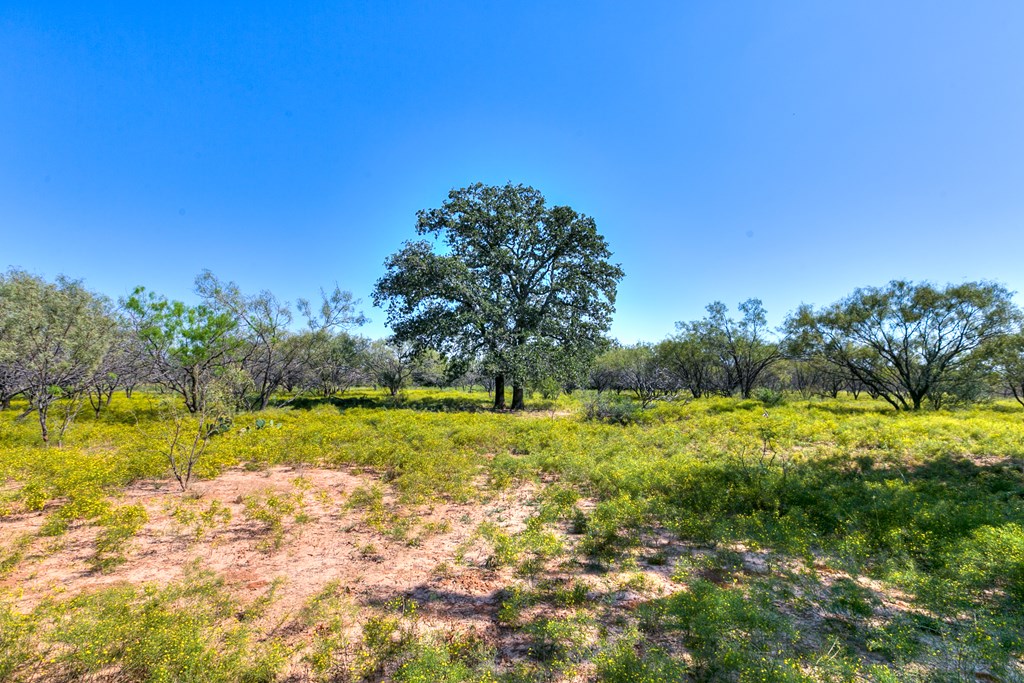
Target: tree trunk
column 43, row 409
column 499, row 391
column 192, row 393
column 517, row 397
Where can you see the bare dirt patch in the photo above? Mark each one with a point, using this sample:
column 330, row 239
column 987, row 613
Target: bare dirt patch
column 374, row 553
column 333, row 542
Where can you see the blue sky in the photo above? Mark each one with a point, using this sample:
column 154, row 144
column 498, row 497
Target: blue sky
column 790, row 151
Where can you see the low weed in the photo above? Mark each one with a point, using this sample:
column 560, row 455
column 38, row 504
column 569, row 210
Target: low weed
column 19, row 651
column 12, row 556
column 176, row 632
column 559, row 642
column 614, row 526
column 511, row 603
column 627, row 660
column 199, row 521
column 377, row 515
column 386, row 639
column 728, row 631
column 448, row 657
column 562, row 593
column 328, row 614
column 527, row 548
column 927, row 504
column 118, row 525
column 270, row 509
column 428, row 530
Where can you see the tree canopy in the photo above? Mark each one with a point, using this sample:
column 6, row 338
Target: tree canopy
column 504, row 279
column 53, row 338
column 905, row 341
column 740, row 348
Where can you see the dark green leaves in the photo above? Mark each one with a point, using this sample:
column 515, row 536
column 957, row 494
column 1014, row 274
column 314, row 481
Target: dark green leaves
column 507, row 280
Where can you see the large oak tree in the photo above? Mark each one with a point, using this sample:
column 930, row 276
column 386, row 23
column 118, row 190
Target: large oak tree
column 504, row 279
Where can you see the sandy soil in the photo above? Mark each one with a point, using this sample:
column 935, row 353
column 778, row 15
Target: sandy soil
column 435, row 564
column 439, row 561
column 336, row 544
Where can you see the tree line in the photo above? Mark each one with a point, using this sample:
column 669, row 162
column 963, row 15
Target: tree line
column 504, row 289
column 63, row 347
column 909, row 344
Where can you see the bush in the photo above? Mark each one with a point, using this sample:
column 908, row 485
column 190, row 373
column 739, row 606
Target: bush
column 549, row 388
column 613, row 410
column 626, row 662
column 728, row 631
column 770, row 397
column 120, row 524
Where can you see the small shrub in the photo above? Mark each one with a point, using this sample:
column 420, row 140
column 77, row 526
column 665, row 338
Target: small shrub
column 200, row 522
column 270, row 509
column 770, row 398
column 612, row 410
column 549, row 388
column 120, row 524
column 628, row 662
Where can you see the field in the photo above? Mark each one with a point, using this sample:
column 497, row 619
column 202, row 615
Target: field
column 429, row 539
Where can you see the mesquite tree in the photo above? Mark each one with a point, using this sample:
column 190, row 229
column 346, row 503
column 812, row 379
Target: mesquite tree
column 188, row 346
column 905, row 340
column 742, row 348
column 269, row 352
column 54, row 338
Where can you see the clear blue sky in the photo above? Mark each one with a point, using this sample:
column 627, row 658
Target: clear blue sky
column 790, row 151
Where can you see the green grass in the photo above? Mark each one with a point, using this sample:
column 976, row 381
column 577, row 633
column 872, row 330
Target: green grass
column 930, row 504
column 184, row 631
